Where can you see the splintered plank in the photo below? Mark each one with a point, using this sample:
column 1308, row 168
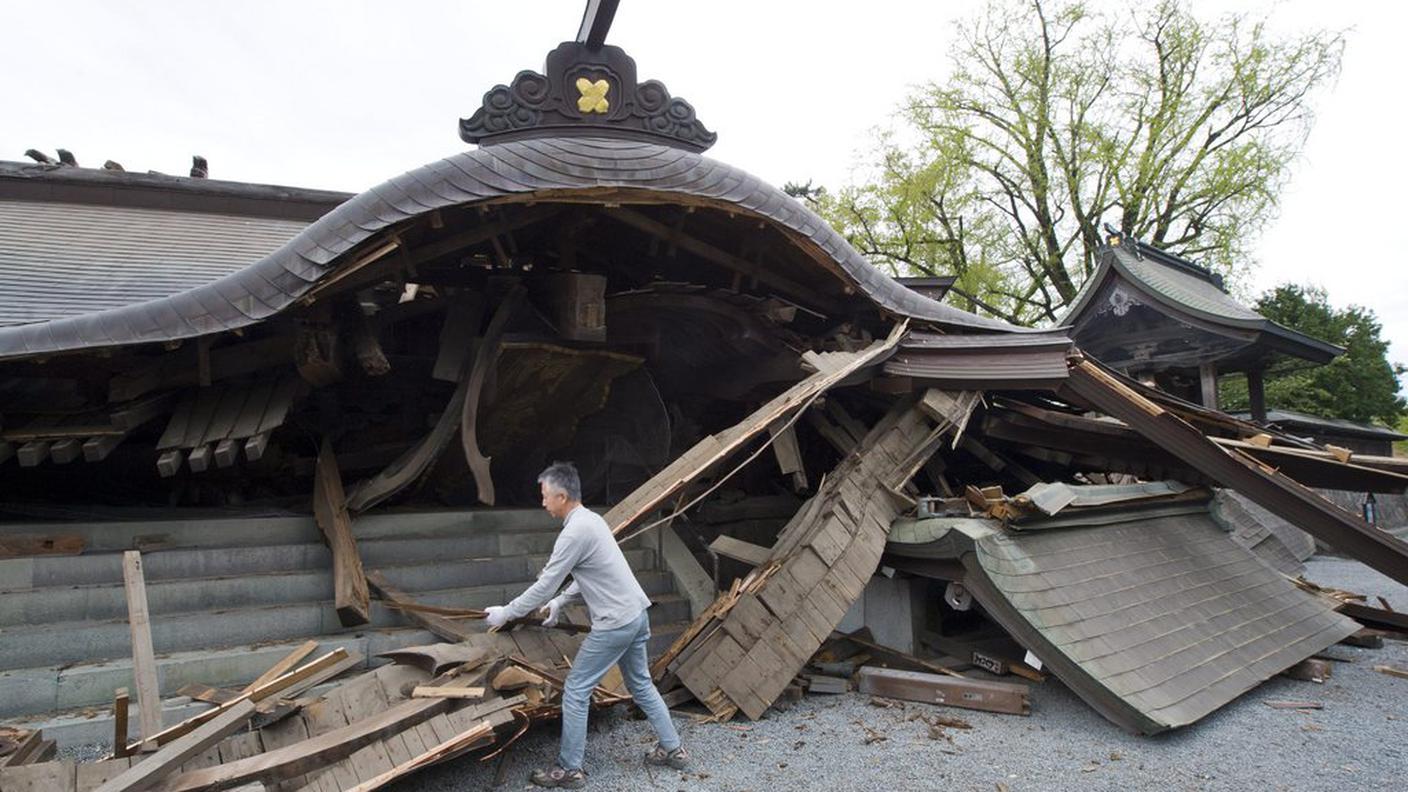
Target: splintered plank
column 485, row 358
column 283, row 666
column 330, row 511
column 439, row 625
column 143, row 657
column 715, row 448
column 146, row 773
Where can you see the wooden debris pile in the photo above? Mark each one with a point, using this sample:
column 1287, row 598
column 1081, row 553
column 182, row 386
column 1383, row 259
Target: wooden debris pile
column 429, row 705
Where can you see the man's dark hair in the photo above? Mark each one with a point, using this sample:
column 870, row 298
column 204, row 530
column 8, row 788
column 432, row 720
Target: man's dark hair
column 562, row 476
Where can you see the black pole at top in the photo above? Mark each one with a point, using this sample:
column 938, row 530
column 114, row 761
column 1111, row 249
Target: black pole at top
column 596, row 22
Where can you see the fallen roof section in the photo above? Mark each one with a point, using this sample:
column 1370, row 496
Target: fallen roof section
column 744, row 650
column 1154, row 622
column 1233, row 468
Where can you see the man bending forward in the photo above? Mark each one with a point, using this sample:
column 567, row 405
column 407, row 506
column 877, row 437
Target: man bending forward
column 588, row 552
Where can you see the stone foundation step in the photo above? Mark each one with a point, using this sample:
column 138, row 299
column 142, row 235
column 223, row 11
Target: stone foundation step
column 48, row 696
column 99, row 602
column 159, row 529
column 55, row 643
column 96, row 567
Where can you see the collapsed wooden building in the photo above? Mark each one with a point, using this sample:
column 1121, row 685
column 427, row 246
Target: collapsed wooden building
column 228, row 377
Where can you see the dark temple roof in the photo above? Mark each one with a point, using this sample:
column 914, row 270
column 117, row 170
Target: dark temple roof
column 1184, row 290
column 548, row 167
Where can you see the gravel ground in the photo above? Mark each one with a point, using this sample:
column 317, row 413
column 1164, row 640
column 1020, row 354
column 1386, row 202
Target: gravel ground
column 1356, row 742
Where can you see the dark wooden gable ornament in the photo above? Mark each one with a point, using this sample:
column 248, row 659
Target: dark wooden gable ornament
column 585, row 90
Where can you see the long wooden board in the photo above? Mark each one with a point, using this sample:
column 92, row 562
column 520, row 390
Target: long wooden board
column 350, row 595
column 143, row 657
column 978, row 694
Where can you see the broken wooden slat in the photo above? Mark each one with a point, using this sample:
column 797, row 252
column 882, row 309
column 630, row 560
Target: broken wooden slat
column 485, row 357
column 829, row 685
column 430, row 691
column 283, row 666
column 1393, row 671
column 145, row 774
column 25, row 545
column 440, row 626
column 352, row 600
column 975, row 694
column 1366, row 638
column 789, row 456
column 739, row 550
column 1309, row 670
column 208, row 694
column 143, row 657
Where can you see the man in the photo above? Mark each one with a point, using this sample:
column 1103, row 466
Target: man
column 588, row 552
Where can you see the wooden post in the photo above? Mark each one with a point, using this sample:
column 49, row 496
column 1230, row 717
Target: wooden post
column 1207, row 375
column 143, row 658
column 1256, row 394
column 119, row 723
column 330, row 512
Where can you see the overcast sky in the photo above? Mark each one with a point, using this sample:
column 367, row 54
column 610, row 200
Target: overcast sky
column 343, row 95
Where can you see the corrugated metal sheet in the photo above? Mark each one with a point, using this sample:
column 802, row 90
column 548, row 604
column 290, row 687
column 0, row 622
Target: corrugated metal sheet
column 62, row 260
column 1155, row 622
column 562, row 165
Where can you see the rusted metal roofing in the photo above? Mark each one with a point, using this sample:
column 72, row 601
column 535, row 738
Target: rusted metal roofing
column 1155, row 622
column 549, row 167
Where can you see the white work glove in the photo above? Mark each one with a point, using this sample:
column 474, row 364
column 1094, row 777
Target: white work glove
column 554, row 611
column 496, row 616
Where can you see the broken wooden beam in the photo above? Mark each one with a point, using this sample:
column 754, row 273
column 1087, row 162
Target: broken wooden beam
column 739, row 550
column 144, row 672
column 120, row 703
column 439, row 625
column 285, row 664
column 789, row 455
column 486, row 354
column 975, row 694
column 1311, row 669
column 433, row 691
column 145, row 774
column 350, row 594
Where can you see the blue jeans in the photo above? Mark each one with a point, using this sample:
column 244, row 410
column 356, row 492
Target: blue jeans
column 601, row 650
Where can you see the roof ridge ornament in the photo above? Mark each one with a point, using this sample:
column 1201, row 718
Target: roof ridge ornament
column 585, row 90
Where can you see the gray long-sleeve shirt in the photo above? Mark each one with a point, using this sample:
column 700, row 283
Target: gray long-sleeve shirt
column 588, row 552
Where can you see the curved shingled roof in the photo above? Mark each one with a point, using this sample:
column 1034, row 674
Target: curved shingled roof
column 1184, row 286
column 554, row 167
